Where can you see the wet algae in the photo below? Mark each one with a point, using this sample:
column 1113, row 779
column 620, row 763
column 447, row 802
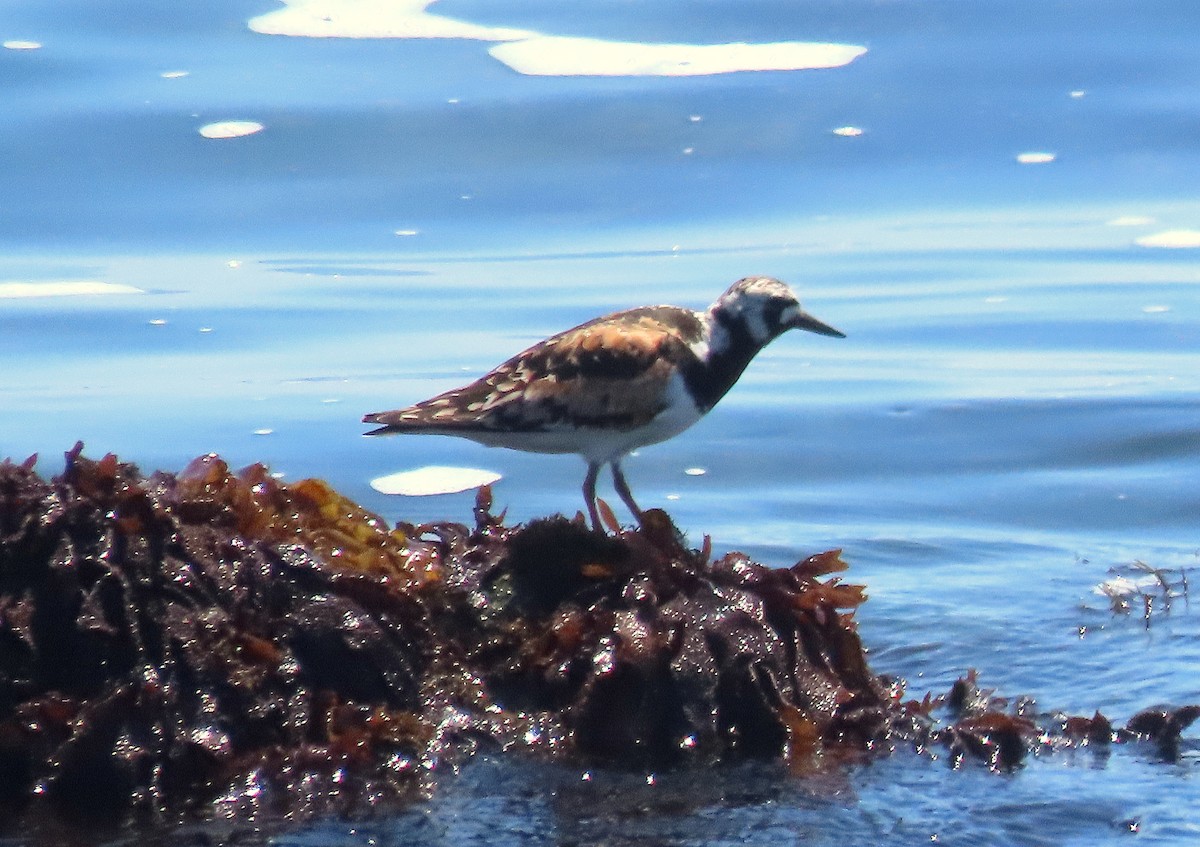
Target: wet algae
column 219, row 643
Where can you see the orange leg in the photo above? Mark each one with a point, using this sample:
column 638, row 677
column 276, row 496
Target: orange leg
column 623, row 489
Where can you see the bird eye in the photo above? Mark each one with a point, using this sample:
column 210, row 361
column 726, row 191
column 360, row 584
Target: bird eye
column 775, row 309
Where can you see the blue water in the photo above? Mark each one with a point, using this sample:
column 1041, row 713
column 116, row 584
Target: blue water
column 1016, row 408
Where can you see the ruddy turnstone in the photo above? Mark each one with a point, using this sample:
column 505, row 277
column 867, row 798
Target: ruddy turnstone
column 615, row 383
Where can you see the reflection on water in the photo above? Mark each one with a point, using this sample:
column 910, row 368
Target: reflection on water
column 65, row 288
column 538, row 54
column 1172, row 238
column 433, row 479
column 996, row 204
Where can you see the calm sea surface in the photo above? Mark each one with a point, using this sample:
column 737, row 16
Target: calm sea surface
column 998, row 202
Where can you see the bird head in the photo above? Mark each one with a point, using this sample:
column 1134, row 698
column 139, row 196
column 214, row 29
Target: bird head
column 766, row 308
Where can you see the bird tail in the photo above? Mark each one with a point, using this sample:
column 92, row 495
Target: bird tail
column 391, row 423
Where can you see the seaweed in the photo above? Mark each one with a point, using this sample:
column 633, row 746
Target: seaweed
column 220, row 643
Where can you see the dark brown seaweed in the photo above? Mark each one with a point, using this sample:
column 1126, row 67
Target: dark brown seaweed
column 211, row 640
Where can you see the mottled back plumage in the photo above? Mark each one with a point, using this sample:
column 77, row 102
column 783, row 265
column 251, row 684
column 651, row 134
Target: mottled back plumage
column 606, row 374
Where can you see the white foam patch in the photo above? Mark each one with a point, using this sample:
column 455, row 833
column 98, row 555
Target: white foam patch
column 433, row 479
column 63, row 288
column 230, row 129
column 1175, row 239
column 550, row 55
column 373, row 19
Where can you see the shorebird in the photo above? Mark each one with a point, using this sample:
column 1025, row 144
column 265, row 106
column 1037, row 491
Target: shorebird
column 615, row 383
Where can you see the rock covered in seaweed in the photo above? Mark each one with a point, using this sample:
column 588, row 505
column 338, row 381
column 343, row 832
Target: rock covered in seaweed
column 171, row 641
column 215, row 635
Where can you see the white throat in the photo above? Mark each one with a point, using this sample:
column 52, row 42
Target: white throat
column 713, row 341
